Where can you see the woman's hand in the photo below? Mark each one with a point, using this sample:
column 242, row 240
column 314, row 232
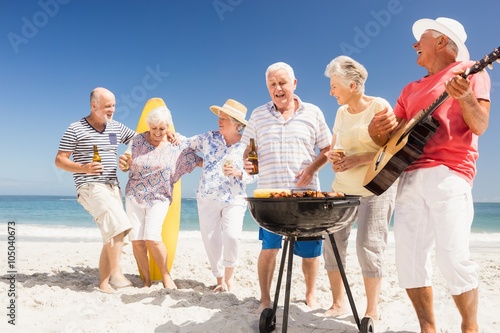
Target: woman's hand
column 173, row 137
column 334, row 156
column 124, row 162
column 341, row 164
column 230, row 170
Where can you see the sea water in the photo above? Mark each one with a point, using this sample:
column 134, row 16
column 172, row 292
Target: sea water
column 66, row 211
column 60, row 216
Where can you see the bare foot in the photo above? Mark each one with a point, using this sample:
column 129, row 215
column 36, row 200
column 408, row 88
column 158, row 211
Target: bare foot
column 120, row 282
column 335, row 311
column 169, row 283
column 312, row 303
column 373, row 316
column 146, row 284
column 264, row 305
column 106, row 290
column 220, row 288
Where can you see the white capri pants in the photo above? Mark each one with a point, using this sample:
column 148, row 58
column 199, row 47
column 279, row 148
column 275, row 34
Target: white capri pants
column 147, row 222
column 220, row 226
column 373, row 216
column 434, row 209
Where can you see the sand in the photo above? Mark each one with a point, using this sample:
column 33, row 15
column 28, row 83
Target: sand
column 56, row 291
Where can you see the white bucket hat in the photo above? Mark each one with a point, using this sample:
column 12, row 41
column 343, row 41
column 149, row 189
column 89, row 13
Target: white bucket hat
column 449, row 27
column 232, row 108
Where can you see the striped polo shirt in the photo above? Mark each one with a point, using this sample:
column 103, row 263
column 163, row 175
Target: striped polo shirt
column 79, row 139
column 286, row 147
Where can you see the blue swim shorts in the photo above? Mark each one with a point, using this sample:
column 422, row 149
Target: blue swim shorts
column 303, row 249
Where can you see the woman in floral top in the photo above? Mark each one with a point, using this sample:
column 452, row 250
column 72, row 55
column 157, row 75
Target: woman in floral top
column 221, row 191
column 155, row 165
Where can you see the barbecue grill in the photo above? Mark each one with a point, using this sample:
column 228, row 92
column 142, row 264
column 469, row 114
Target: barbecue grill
column 304, row 218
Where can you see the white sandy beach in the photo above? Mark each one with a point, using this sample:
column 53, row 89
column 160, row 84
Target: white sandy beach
column 57, row 279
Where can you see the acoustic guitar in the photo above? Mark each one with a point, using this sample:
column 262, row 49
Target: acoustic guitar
column 407, row 142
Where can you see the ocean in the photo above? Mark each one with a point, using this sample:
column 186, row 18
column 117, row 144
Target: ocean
column 62, row 216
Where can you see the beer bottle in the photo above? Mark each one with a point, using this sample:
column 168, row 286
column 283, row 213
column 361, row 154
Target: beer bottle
column 97, row 157
column 253, row 157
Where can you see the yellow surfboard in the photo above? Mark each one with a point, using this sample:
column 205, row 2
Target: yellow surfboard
column 171, row 224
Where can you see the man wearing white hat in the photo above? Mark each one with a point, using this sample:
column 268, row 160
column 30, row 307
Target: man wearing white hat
column 434, row 206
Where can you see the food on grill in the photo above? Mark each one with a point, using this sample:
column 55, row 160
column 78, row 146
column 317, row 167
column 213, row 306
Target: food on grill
column 280, row 193
column 266, row 193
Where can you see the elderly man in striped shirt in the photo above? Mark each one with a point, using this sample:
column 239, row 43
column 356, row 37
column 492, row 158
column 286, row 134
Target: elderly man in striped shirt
column 288, row 133
column 96, row 182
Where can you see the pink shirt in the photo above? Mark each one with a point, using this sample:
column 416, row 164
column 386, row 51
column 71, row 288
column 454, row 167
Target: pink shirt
column 453, row 144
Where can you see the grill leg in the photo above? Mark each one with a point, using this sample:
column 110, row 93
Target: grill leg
column 280, row 274
column 288, row 285
column 288, row 247
column 344, row 280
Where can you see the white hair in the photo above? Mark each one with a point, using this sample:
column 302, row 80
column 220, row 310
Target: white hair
column 281, row 65
column 451, row 46
column 160, row 114
column 347, row 70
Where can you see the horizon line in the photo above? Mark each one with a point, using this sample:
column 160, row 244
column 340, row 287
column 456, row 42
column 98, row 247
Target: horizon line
column 69, row 195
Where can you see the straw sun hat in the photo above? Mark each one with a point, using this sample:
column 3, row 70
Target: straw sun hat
column 449, row 27
column 232, row 108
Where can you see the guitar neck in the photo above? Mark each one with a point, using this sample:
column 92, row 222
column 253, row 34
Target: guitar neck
column 440, row 100
column 433, row 107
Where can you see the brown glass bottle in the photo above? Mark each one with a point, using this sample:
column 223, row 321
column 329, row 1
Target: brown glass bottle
column 253, row 157
column 97, row 157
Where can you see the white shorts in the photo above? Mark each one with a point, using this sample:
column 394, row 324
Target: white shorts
column 434, row 210
column 146, row 222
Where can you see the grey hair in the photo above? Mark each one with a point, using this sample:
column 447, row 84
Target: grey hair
column 93, row 96
column 158, row 115
column 240, row 127
column 281, row 65
column 232, row 120
column 347, row 70
column 97, row 92
column 451, row 46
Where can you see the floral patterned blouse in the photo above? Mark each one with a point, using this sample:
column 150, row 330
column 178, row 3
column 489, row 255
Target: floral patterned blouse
column 154, row 170
column 213, row 183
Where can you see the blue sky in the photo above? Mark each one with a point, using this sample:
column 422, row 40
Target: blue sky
column 195, row 54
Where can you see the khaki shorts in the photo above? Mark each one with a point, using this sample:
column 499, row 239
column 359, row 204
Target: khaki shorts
column 104, row 203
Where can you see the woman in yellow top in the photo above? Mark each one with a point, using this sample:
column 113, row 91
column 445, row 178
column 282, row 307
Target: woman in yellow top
column 347, row 85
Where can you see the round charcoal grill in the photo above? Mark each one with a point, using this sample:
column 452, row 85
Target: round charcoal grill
column 304, row 218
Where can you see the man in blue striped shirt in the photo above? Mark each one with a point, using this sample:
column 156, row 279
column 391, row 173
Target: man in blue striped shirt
column 96, row 182
column 292, row 138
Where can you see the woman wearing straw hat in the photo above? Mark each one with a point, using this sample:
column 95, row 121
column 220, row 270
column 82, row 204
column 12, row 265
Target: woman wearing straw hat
column 221, row 191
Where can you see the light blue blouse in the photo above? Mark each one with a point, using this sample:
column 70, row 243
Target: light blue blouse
column 213, row 183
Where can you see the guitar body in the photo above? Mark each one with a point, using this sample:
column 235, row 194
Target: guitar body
column 402, row 149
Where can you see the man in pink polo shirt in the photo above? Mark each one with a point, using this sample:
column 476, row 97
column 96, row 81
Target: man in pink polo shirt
column 434, row 206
